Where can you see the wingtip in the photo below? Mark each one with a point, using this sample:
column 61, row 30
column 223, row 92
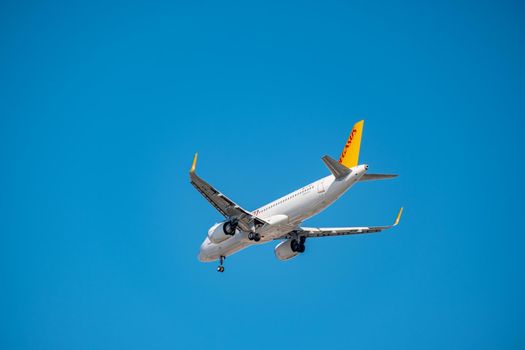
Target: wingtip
column 192, row 169
column 398, row 216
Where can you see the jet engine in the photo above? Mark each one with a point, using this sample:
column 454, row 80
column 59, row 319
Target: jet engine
column 284, row 251
column 222, row 231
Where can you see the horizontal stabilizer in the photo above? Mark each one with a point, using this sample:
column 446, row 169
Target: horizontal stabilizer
column 370, row 177
column 336, row 168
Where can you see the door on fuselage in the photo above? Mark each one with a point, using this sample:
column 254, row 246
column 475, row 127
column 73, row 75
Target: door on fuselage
column 320, row 187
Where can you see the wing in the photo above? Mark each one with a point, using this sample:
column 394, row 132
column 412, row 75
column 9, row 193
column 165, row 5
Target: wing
column 339, row 231
column 223, row 204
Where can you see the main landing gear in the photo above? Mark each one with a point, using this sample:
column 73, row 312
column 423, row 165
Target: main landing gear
column 298, row 245
column 220, row 268
column 254, row 236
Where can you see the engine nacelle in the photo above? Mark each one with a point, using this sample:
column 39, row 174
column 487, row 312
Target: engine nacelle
column 283, row 251
column 221, row 231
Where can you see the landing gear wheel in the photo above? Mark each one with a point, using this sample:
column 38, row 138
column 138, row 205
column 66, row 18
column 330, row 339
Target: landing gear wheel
column 256, row 237
column 301, row 249
column 294, row 245
column 229, row 228
column 298, row 246
column 220, row 268
column 251, row 236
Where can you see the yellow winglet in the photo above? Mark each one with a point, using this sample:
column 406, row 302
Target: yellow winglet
column 398, row 216
column 192, row 169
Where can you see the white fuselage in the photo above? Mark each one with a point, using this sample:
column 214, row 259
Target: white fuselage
column 285, row 214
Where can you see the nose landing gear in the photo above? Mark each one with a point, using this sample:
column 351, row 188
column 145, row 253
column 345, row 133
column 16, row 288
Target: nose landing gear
column 220, row 268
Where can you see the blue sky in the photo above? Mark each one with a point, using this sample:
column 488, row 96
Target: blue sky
column 102, row 105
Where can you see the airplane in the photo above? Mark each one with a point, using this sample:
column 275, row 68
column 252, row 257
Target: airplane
column 281, row 219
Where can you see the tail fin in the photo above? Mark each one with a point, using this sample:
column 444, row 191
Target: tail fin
column 350, row 155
